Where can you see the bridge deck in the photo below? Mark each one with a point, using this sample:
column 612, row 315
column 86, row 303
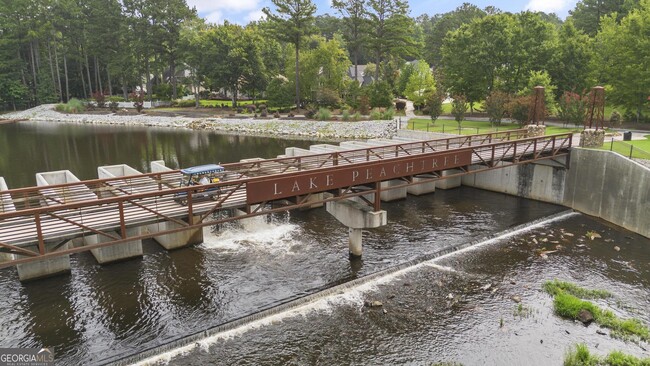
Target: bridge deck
column 41, row 216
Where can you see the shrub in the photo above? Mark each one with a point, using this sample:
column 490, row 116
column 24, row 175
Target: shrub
column 264, row 113
column 74, row 105
column 364, row 104
column 100, row 99
column 572, row 108
column 184, row 103
column 279, row 93
column 116, row 98
column 328, row 98
column 388, row 114
column 375, row 114
column 458, row 108
column 250, row 108
column 615, row 119
column 261, row 106
column 495, row 106
column 345, row 115
column 138, row 100
column 380, row 95
column 434, row 104
column 323, row 114
column 113, row 105
column 518, row 109
column 400, row 105
column 356, row 116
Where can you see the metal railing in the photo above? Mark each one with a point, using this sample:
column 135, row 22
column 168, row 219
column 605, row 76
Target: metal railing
column 632, row 151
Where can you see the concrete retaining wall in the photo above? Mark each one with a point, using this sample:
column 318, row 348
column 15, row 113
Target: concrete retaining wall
column 543, row 181
column 610, row 186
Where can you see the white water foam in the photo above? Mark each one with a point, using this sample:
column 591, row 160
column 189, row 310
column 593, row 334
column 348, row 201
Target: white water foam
column 274, row 235
column 353, row 295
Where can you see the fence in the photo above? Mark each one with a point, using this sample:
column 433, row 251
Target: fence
column 629, row 150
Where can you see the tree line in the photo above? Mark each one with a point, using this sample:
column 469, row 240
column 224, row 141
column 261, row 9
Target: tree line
column 53, row 50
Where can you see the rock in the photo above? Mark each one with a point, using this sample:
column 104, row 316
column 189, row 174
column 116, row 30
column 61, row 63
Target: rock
column 534, row 240
column 384, row 311
column 450, row 296
column 516, row 299
column 568, row 234
column 513, row 282
column 486, row 287
column 567, row 332
column 391, row 297
column 541, row 341
column 585, row 317
column 616, row 248
column 600, row 332
column 373, row 304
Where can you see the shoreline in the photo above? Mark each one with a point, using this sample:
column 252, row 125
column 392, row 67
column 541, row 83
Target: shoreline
column 303, row 129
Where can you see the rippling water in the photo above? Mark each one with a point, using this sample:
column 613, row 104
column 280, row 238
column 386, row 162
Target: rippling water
column 103, row 313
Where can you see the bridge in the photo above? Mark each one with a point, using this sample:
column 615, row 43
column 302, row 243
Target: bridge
column 41, row 226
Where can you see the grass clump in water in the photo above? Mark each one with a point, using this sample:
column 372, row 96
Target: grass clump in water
column 582, row 357
column 569, row 306
column 74, row 105
column 554, row 287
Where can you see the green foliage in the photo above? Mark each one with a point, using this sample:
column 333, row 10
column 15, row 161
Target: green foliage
column 420, row 83
column 572, row 61
column 278, row 92
column 434, row 104
column 328, row 98
column 323, row 114
column 405, row 73
column 615, row 118
column 380, row 95
column 458, row 108
column 622, row 59
column 569, row 306
column 555, row 287
column 582, row 357
column 572, row 108
column 74, row 105
column 541, row 78
column 518, row 109
column 184, row 103
column 356, row 116
column 100, row 99
column 496, row 106
column 588, row 14
column 345, row 115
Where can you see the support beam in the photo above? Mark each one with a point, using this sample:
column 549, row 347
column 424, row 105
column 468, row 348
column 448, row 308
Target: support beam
column 356, row 216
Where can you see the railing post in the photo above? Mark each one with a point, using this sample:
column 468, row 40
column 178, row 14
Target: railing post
column 39, row 233
column 631, row 148
column 611, row 146
column 190, row 213
column 120, row 205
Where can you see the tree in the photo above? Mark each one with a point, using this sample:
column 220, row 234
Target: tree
column 588, row 14
column 420, row 83
column 541, row 78
column 278, row 92
column 572, row 61
column 438, row 27
column 324, row 67
column 390, row 31
column 380, row 95
column 625, row 59
column 458, row 108
column 495, row 106
column 572, row 108
column 293, row 21
column 518, row 109
column 434, row 103
column 404, row 75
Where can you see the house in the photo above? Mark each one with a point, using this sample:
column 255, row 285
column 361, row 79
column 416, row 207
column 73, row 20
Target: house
column 362, row 78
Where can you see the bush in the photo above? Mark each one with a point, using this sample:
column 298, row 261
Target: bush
column 495, row 106
column 328, row 98
column 113, row 106
column 138, row 100
column 279, row 92
column 251, row 108
column 458, row 108
column 375, row 115
column 116, row 98
column 380, row 95
column 184, row 103
column 356, row 116
column 261, row 107
column 572, row 108
column 388, row 114
column 400, row 105
column 434, row 105
column 100, row 99
column 345, row 115
column 74, row 105
column 264, row 113
column 615, row 119
column 323, row 114
column 364, row 104
column 518, row 109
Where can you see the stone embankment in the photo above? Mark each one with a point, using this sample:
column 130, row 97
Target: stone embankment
column 268, row 127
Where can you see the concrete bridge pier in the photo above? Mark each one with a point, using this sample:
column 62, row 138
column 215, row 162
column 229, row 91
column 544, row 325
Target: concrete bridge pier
column 356, row 216
column 421, row 188
column 46, row 267
column 449, row 183
column 178, row 239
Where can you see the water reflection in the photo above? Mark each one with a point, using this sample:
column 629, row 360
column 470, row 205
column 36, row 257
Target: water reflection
column 31, row 147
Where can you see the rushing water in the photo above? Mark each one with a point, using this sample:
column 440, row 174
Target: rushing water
column 103, row 313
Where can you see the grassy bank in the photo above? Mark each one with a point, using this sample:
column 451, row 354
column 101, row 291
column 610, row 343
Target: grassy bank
column 473, row 127
column 582, row 357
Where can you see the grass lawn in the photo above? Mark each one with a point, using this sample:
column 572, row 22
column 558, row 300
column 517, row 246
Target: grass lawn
column 473, row 127
column 641, row 148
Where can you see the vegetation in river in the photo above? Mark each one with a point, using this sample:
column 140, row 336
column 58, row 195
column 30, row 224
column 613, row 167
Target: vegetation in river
column 568, row 305
column 581, row 356
column 554, row 287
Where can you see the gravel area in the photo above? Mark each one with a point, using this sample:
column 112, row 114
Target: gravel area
column 272, row 127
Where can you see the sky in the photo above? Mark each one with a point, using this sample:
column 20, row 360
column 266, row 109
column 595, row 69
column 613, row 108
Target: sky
column 244, row 11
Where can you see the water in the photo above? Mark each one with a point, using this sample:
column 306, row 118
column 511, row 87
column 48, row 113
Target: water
column 27, row 148
column 104, row 313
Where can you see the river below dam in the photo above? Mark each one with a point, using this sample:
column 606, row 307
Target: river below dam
column 239, row 294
